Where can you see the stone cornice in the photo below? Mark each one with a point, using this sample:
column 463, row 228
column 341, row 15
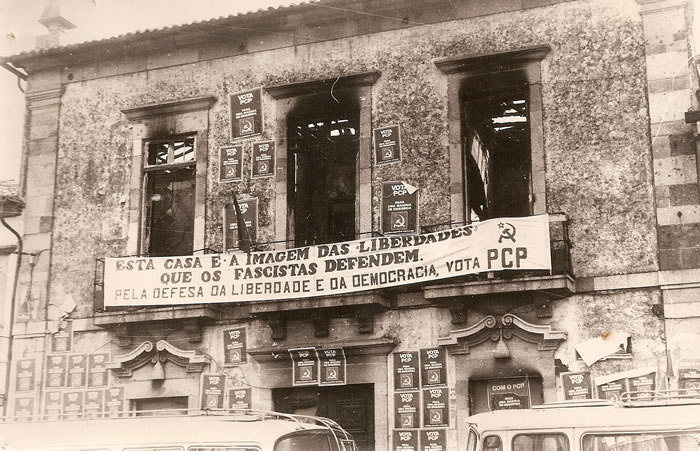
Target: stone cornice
column 44, row 98
column 479, row 64
column 286, row 90
column 653, row 6
column 170, row 107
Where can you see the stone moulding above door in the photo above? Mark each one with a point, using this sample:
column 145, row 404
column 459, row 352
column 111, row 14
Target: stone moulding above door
column 162, row 351
column 504, row 328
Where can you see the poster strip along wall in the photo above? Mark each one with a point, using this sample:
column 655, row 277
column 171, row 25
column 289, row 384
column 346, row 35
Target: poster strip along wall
column 351, row 266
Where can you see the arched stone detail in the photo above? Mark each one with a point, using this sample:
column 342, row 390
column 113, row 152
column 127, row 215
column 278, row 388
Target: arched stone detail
column 504, row 328
column 124, row 365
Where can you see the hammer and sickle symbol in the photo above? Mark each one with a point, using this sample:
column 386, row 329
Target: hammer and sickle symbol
column 400, row 221
column 507, row 233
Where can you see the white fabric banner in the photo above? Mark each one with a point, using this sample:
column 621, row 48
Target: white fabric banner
column 324, row 270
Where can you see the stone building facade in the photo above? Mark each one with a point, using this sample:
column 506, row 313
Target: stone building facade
column 571, row 109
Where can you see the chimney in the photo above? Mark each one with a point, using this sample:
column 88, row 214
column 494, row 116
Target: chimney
column 52, row 19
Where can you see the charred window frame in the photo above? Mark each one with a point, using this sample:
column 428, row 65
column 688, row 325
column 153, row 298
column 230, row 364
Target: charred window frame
column 169, row 188
column 324, row 170
column 495, row 134
column 169, row 146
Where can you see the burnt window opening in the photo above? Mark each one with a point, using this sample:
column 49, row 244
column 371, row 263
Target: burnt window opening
column 169, row 201
column 322, row 175
column 496, row 148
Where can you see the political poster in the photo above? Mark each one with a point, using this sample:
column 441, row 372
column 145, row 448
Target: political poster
column 62, row 340
column 246, row 113
column 77, row 370
column 436, row 407
column 230, row 164
column 399, row 208
column 53, row 405
column 433, row 363
column 56, row 370
column 263, row 164
column 577, row 385
column 73, row 404
column 304, row 366
column 406, row 376
column 240, row 398
column 94, row 403
column 25, row 375
column 212, row 390
column 97, row 370
column 249, row 213
column 405, row 440
column 387, row 144
column 235, row 346
column 332, row 366
column 114, row 402
column 433, row 440
column 407, row 410
column 510, row 393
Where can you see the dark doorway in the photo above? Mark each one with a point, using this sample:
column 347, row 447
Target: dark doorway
column 176, row 405
column 351, row 406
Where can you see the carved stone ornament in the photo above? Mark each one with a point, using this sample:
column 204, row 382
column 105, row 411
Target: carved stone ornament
column 501, row 330
column 161, row 352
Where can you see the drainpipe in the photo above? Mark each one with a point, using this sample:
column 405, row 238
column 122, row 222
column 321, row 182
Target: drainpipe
column 11, row 206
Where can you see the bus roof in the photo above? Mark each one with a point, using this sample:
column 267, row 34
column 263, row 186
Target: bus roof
column 603, row 416
column 138, row 431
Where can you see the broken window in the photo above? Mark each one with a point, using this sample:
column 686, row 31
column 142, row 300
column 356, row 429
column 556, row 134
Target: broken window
column 496, row 147
column 322, row 175
column 169, row 202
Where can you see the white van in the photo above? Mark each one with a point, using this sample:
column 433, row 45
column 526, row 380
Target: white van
column 639, row 425
column 172, row 431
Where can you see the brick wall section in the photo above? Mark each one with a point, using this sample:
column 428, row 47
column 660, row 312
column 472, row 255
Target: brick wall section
column 666, row 36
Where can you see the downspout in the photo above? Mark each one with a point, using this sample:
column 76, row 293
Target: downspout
column 12, row 313
column 11, row 206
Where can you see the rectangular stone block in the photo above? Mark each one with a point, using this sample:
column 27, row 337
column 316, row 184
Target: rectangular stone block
column 667, row 65
column 669, row 84
column 678, row 236
column 682, row 144
column 669, row 259
column 669, row 106
column 690, row 257
column 687, row 194
column 678, row 170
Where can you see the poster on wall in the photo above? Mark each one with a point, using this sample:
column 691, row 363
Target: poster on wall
column 25, row 377
column 433, row 364
column 212, row 391
column 577, row 385
column 436, row 411
column 230, row 163
column 612, row 389
column 73, row 403
column 304, row 366
column 246, row 115
column 24, row 407
column 94, row 403
column 433, row 440
column 62, row 340
column 114, row 402
column 77, row 370
column 56, row 369
column 97, row 370
column 643, row 385
column 249, row 212
column 510, row 393
column 263, row 159
column 689, row 376
column 235, row 346
column 406, row 410
column 240, row 398
column 53, row 405
column 399, row 208
column 387, row 144
column 405, row 371
column 332, row 366
column 405, row 440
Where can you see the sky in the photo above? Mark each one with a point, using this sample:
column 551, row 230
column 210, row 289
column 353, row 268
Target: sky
column 94, row 19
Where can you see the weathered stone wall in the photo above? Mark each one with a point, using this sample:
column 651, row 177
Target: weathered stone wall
column 595, row 128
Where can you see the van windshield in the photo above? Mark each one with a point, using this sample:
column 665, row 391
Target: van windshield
column 654, row 441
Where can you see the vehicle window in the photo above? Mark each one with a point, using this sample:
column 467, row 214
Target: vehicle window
column 306, row 440
column 491, row 443
column 648, row 441
column 540, row 442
